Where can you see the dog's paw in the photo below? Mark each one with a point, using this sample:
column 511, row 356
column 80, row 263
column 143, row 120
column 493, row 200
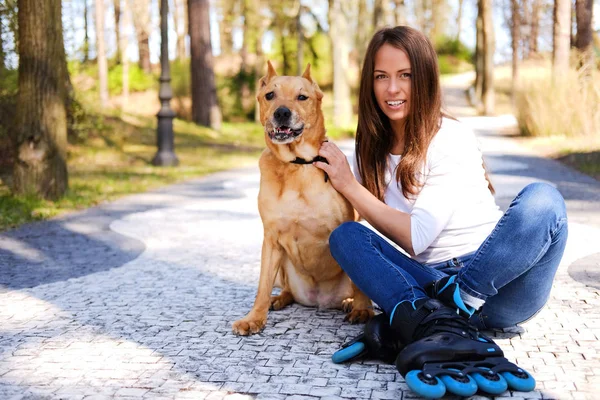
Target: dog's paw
column 347, row 304
column 279, row 302
column 247, row 326
column 359, row 315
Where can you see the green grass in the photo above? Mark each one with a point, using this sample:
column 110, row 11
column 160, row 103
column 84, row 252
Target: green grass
column 112, row 158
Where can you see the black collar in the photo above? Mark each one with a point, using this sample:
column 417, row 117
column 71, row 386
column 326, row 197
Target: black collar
column 299, row 160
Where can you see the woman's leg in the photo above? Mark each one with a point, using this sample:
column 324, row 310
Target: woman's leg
column 514, row 268
column 378, row 269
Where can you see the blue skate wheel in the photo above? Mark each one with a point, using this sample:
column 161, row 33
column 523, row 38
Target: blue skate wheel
column 521, row 381
column 430, row 388
column 347, row 353
column 490, row 383
column 463, row 386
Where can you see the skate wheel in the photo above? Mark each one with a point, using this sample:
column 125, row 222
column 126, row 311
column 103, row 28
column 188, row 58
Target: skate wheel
column 430, row 388
column 347, row 353
column 491, row 383
column 463, row 386
column 521, row 381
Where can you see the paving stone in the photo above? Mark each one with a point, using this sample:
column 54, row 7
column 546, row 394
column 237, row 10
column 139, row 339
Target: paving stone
column 135, row 299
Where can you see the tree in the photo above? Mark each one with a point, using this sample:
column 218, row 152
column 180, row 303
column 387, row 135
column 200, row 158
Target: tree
column 126, row 21
column 179, row 14
column 339, row 35
column 205, row 109
column 381, row 14
column 226, row 24
column 86, row 37
column 140, row 9
column 2, row 62
column 400, row 12
column 439, row 19
column 459, row 20
column 487, row 56
column 363, row 32
column 41, row 119
column 117, row 13
column 515, row 28
column 584, row 38
column 101, row 54
column 535, row 26
column 562, row 38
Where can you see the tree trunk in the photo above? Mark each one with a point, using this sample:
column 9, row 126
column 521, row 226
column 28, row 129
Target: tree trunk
column 439, row 21
column 584, row 38
column 41, row 119
column 86, row 37
column 362, row 34
column 140, row 9
column 488, row 57
column 226, row 25
column 399, row 12
column 117, row 10
column 101, row 54
column 339, row 35
column 377, row 14
column 535, row 27
column 2, row 62
column 515, row 29
column 205, row 109
column 260, row 62
column 459, row 20
column 560, row 51
column 123, row 45
column 300, row 46
column 178, row 10
column 479, row 54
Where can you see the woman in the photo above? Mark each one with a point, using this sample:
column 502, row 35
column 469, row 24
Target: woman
column 420, row 181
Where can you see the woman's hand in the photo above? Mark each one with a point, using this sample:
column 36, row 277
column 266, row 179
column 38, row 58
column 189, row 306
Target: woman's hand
column 338, row 169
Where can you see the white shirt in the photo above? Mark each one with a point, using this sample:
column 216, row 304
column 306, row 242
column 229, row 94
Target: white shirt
column 454, row 212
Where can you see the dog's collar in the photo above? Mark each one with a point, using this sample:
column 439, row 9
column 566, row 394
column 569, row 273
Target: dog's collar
column 299, row 160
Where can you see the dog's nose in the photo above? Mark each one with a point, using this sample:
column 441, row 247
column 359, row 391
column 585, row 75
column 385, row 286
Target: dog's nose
column 282, row 114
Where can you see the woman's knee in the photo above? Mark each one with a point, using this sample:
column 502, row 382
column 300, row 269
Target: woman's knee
column 541, row 200
column 343, row 235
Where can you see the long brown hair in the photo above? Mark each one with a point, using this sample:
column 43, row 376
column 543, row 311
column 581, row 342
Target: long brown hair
column 374, row 135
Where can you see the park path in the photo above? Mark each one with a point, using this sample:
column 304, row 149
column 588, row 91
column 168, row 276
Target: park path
column 135, row 298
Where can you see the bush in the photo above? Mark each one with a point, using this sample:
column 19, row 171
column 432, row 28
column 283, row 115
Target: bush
column 139, row 80
column 451, row 47
column 568, row 106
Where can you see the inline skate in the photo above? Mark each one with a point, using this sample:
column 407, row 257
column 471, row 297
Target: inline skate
column 445, row 353
column 377, row 341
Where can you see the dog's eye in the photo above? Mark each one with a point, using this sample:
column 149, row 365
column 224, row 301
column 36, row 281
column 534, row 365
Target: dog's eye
column 302, row 97
column 270, row 95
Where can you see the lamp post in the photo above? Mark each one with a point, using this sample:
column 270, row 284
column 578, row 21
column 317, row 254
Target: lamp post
column 165, row 155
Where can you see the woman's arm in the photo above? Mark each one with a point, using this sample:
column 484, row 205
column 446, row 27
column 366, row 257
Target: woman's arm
column 392, row 223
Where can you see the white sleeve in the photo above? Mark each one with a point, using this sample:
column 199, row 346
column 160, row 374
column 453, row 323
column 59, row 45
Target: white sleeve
column 439, row 195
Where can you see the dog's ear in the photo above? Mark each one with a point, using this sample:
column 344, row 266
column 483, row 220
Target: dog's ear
column 270, row 74
column 306, row 75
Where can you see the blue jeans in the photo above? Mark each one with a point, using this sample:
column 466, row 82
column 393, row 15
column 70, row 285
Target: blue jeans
column 512, row 270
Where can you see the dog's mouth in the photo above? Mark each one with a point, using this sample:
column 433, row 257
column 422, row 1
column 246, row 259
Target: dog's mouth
column 284, row 134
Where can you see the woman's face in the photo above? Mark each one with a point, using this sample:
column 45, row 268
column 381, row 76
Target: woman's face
column 391, row 83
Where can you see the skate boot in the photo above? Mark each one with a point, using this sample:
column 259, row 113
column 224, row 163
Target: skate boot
column 446, row 290
column 377, row 341
column 445, row 353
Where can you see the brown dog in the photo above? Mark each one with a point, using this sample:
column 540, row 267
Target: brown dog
column 298, row 207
